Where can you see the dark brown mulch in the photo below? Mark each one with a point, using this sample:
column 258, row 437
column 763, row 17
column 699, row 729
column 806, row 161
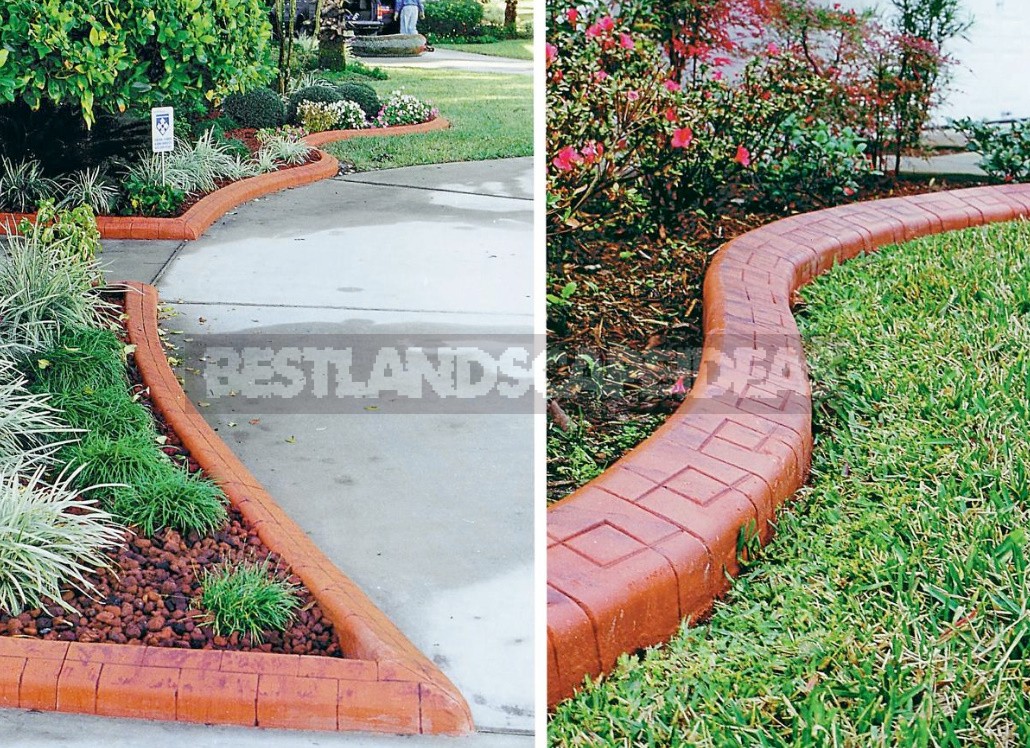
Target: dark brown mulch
column 247, row 136
column 147, row 594
column 633, row 327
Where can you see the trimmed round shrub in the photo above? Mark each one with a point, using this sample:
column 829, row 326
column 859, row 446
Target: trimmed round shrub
column 258, row 108
column 323, row 94
column 452, row 18
column 361, row 94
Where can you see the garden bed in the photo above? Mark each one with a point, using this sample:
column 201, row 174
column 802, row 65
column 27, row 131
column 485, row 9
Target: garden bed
column 892, row 602
column 207, row 209
column 652, row 540
column 618, row 343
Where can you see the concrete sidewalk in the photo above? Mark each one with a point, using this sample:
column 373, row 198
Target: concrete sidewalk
column 432, row 514
column 453, row 59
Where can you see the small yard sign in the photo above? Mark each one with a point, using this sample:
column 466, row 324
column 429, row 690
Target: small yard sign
column 162, row 129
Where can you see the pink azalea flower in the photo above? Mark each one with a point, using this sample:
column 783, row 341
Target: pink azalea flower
column 717, row 75
column 721, row 61
column 671, row 85
column 679, row 388
column 632, row 95
column 682, row 137
column 743, row 156
column 594, row 30
column 772, row 49
column 600, row 75
column 591, row 152
column 626, row 41
column 607, row 23
column 572, row 16
column 567, row 159
column 849, row 191
column 552, row 52
column 671, row 115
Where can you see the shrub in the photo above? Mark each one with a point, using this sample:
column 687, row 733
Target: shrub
column 319, row 93
column 175, row 499
column 76, row 51
column 245, row 598
column 23, row 186
column 88, row 187
column 447, row 18
column 1004, row 149
column 49, row 538
column 45, row 290
column 405, row 109
column 363, row 95
column 286, row 150
column 260, row 107
column 29, row 424
column 72, row 232
column 144, row 198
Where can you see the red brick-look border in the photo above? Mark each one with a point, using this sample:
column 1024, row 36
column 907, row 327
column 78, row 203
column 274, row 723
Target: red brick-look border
column 386, row 686
column 194, row 222
column 651, row 541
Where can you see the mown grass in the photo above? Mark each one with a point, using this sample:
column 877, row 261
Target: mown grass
column 891, row 609
column 516, row 49
column 491, row 116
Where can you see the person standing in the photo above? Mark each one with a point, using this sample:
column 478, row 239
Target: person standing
column 409, row 12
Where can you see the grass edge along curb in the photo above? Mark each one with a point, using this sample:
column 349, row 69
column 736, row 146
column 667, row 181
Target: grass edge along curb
column 650, row 542
column 194, row 222
column 388, row 687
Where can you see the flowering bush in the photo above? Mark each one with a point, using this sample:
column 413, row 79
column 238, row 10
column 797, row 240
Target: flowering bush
column 405, row 109
column 318, row 116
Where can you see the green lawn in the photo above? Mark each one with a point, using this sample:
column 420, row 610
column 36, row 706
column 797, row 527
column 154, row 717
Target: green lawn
column 892, row 607
column 518, row 49
column 491, row 116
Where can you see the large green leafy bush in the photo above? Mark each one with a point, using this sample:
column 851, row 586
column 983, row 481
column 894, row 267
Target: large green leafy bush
column 126, row 54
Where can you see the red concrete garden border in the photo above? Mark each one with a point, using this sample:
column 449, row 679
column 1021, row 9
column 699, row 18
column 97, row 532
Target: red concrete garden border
column 195, row 221
column 651, row 541
column 386, row 686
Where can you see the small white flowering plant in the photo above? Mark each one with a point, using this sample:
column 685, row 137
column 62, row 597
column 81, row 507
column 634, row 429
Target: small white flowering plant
column 405, row 109
column 319, row 116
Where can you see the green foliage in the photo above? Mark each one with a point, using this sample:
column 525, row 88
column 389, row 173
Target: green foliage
column 314, row 116
column 110, row 462
column 108, row 409
column 49, row 538
column 144, row 198
column 356, row 69
column 85, row 359
column 23, row 185
column 132, row 54
column 260, row 107
column 891, row 606
column 1004, row 148
column 72, row 232
column 362, row 94
column 175, row 499
column 248, row 599
column 45, row 289
column 447, row 18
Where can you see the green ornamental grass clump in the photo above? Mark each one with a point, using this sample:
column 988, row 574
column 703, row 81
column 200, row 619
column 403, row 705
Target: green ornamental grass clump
column 247, row 599
column 29, row 423
column 86, row 358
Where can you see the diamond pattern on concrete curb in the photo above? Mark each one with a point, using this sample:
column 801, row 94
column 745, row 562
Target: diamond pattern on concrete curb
column 388, row 686
column 650, row 541
column 194, row 222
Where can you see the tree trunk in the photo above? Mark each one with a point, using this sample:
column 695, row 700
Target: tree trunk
column 510, row 9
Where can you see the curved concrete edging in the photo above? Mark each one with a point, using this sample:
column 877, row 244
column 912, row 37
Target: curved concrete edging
column 387, row 686
column 194, row 222
column 650, row 542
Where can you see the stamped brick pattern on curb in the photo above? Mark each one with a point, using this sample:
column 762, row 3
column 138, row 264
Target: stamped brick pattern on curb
column 387, row 686
column 650, row 541
column 194, row 222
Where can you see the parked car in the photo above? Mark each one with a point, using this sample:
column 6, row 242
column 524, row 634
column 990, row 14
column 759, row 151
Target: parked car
column 367, row 16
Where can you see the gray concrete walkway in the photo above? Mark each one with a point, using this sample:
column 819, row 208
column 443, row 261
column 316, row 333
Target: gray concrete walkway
column 431, row 514
column 452, row 59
